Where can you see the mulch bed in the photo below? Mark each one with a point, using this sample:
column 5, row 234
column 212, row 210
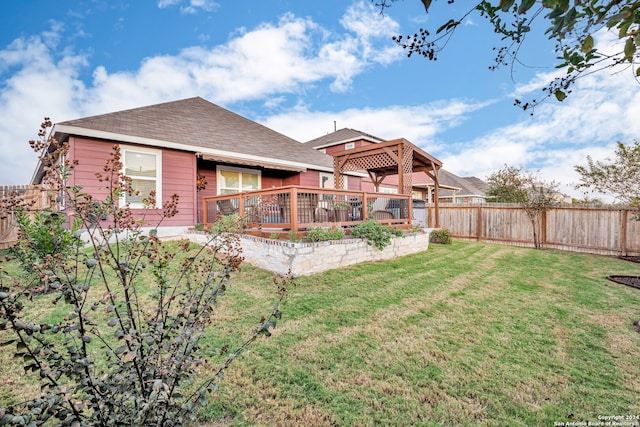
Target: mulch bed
column 633, row 281
column 630, row 258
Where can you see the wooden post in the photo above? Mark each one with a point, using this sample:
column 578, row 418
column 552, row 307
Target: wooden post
column 624, row 217
column 294, row 209
column 365, row 209
column 479, row 224
column 543, row 229
column 436, row 196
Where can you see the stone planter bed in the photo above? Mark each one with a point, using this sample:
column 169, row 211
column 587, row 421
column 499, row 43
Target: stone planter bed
column 283, row 256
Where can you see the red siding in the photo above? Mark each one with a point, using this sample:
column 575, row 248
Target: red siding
column 178, row 176
column 310, row 178
column 292, row 180
column 211, row 188
column 354, row 183
column 270, row 181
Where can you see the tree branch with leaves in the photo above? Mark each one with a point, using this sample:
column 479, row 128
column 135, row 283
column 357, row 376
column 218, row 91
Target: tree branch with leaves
column 618, row 176
column 573, row 25
column 536, row 196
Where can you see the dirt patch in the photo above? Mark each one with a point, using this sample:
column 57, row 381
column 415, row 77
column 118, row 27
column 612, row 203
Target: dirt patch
column 633, row 281
column 630, row 258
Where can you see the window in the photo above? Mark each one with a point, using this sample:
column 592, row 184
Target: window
column 234, row 180
column 349, row 145
column 143, row 166
column 327, row 181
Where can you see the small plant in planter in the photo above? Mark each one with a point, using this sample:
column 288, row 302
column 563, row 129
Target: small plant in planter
column 319, row 234
column 377, row 234
column 442, row 236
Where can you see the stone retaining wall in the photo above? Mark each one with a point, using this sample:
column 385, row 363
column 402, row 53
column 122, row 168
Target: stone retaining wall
column 282, row 256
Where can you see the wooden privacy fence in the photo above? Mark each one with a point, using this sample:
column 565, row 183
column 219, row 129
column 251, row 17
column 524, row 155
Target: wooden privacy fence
column 606, row 230
column 33, row 195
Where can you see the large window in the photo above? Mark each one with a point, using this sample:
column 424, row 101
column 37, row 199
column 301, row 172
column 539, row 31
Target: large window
column 234, row 180
column 144, row 168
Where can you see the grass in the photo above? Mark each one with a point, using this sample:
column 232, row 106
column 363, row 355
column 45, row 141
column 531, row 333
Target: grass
column 463, row 334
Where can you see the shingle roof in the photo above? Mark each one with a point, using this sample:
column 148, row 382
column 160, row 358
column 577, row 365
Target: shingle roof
column 341, row 135
column 201, row 124
column 469, row 186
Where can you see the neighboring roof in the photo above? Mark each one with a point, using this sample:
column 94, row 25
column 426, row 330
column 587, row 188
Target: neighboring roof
column 468, row 186
column 476, row 182
column 197, row 125
column 341, row 136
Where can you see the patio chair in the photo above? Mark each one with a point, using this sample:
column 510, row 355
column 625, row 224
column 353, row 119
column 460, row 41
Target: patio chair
column 379, row 209
column 225, row 207
column 380, row 215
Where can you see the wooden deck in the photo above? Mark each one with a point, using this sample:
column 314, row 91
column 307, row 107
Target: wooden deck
column 295, row 208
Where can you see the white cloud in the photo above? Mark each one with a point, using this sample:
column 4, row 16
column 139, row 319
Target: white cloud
column 190, row 6
column 267, row 62
column 42, row 85
column 166, row 3
column 271, row 62
column 418, row 124
column 600, row 111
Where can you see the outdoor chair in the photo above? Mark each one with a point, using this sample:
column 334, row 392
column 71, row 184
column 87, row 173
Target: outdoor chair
column 380, row 215
column 226, row 207
column 379, row 209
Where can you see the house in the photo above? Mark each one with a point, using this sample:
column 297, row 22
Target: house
column 452, row 187
column 175, row 146
column 204, row 153
column 456, row 189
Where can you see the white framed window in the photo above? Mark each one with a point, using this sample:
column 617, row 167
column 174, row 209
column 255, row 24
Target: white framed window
column 349, row 145
column 327, row 181
column 235, row 180
column 144, row 167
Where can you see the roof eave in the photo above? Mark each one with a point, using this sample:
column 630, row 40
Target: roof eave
column 132, row 139
column 346, row 141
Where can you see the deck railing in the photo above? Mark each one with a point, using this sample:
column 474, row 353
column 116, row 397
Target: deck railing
column 296, row 208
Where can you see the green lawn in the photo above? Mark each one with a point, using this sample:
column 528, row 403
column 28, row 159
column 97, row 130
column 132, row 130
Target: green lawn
column 463, row 334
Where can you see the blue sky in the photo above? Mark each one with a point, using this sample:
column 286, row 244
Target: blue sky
column 297, row 67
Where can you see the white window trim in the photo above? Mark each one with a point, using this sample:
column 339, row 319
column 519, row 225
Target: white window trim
column 158, row 154
column 326, row 174
column 349, row 145
column 235, row 169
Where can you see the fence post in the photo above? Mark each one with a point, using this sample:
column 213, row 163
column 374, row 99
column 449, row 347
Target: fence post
column 543, row 229
column 624, row 216
column 479, row 224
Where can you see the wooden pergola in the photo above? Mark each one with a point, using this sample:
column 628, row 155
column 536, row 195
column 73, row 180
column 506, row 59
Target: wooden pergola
column 397, row 157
